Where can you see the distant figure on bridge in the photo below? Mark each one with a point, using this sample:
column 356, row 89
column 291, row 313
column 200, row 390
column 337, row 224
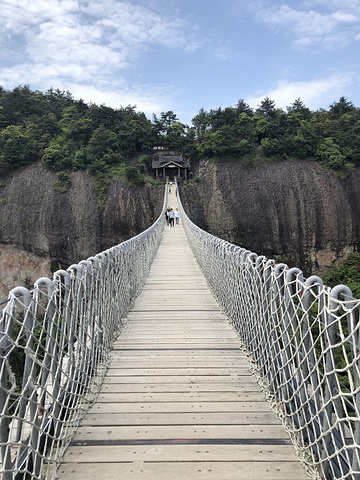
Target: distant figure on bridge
column 177, row 216
column 170, row 185
column 171, row 217
column 167, row 215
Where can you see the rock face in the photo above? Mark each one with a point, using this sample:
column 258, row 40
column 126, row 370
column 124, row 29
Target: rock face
column 292, row 211
column 289, row 210
column 58, row 229
column 20, row 268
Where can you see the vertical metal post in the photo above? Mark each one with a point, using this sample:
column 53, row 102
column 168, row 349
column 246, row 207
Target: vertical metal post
column 329, row 376
column 5, row 335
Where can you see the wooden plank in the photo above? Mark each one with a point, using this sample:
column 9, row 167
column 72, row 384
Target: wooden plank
column 260, row 433
column 218, row 354
column 175, row 471
column 109, row 386
column 178, row 400
column 224, row 397
column 224, row 355
column 179, row 339
column 122, row 370
column 188, row 319
column 179, row 453
column 179, row 379
column 219, row 418
column 206, row 344
column 178, row 336
column 154, row 365
column 179, row 471
column 186, row 307
column 102, row 407
column 174, row 332
column 164, row 318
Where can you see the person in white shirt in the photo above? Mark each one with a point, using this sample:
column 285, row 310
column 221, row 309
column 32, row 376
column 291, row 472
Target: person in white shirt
column 177, row 216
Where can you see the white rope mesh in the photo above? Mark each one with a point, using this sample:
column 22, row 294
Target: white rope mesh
column 303, row 342
column 302, row 339
column 54, row 345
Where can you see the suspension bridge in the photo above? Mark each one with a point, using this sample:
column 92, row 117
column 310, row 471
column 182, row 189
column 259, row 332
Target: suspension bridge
column 178, row 355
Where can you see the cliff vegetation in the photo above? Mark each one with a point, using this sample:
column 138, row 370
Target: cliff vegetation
column 75, row 178
column 66, row 135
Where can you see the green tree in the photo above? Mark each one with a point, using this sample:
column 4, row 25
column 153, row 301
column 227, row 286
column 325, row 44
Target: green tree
column 103, row 146
column 209, row 144
column 63, row 182
column 133, row 175
column 57, row 100
column 18, row 105
column 136, row 135
column 101, row 115
column 15, row 149
column 176, row 135
column 329, row 154
column 221, row 117
column 262, row 128
column 243, row 108
column 246, row 127
column 347, row 273
column 201, row 123
column 299, row 109
column 266, row 109
column 342, row 106
column 300, row 139
column 75, row 126
column 54, row 156
column 168, row 118
column 269, row 123
column 189, row 148
column 161, row 125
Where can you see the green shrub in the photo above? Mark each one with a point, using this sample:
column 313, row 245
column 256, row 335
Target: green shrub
column 347, row 273
column 133, row 175
column 63, row 182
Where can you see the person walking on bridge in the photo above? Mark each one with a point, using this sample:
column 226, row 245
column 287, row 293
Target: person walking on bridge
column 177, row 216
column 171, row 217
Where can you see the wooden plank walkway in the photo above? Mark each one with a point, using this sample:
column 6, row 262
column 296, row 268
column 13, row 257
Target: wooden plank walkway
column 178, row 401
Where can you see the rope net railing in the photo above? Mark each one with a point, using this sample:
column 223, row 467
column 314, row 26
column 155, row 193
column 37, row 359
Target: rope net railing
column 54, row 346
column 302, row 339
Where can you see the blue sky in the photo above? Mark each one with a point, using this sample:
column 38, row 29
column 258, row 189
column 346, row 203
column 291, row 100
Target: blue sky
column 183, row 55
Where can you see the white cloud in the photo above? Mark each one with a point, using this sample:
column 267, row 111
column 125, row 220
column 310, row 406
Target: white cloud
column 345, row 17
column 352, row 5
column 330, row 26
column 318, row 93
column 20, row 16
column 85, row 47
column 301, row 22
column 147, row 99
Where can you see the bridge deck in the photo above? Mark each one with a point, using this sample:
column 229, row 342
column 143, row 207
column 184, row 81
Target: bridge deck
column 178, row 400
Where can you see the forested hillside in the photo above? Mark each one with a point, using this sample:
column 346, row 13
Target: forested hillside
column 53, row 131
column 67, row 134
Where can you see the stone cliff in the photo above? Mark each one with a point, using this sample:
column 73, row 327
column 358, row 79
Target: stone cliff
column 292, row 211
column 42, row 229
